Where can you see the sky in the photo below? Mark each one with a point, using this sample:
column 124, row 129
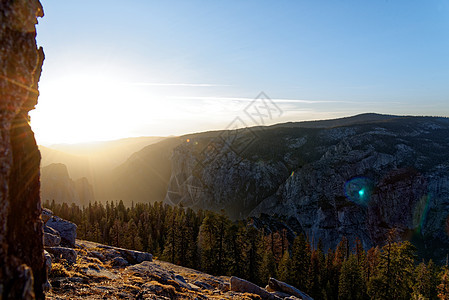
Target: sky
column 116, row 69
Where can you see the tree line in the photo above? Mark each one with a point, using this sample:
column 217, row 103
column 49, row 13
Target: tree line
column 211, row 242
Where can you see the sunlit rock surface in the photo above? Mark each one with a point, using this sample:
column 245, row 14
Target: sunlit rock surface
column 94, row 275
column 22, row 269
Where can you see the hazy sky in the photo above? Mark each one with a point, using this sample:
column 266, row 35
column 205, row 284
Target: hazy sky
column 130, row 68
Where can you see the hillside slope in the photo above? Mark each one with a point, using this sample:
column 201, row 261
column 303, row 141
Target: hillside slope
column 357, row 180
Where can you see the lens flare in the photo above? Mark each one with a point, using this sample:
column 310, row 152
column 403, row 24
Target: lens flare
column 359, row 190
column 420, row 212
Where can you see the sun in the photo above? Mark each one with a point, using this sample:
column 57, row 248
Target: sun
column 84, row 107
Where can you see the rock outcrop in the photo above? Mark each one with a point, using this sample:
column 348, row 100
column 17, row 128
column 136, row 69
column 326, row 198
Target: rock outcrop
column 63, row 253
column 65, row 229
column 59, row 237
column 280, row 286
column 22, row 267
column 244, row 286
column 355, row 177
column 58, row 186
column 102, row 272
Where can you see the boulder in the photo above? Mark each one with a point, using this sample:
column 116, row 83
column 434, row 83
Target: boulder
column 132, row 256
column 280, row 286
column 151, row 271
column 181, row 281
column 51, row 230
column 48, row 260
column 119, row 262
column 110, row 254
column 46, row 215
column 66, row 229
column 64, row 253
column 140, row 256
column 243, row 286
column 97, row 254
column 51, row 240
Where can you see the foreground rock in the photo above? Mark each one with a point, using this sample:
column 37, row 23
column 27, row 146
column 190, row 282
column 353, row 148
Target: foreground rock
column 48, row 260
column 63, row 253
column 102, row 272
column 131, row 256
column 66, row 229
column 51, row 240
column 241, row 285
column 277, row 285
column 93, row 276
column 22, row 268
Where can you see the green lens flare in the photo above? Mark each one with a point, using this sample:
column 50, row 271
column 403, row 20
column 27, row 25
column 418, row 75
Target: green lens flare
column 358, row 190
column 361, row 193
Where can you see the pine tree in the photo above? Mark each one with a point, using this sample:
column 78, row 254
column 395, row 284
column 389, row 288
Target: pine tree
column 351, row 285
column 443, row 287
column 170, row 245
column 394, row 277
column 207, row 243
column 268, row 267
column 238, row 244
column 223, row 225
column 254, row 253
column 315, row 285
column 284, row 269
column 300, row 262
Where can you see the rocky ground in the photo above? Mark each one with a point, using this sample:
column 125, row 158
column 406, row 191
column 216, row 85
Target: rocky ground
column 80, row 269
column 103, row 272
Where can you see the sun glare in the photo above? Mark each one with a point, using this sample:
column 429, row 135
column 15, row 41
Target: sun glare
column 82, row 108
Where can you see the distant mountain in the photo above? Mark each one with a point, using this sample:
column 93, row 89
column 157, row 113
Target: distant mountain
column 347, row 121
column 58, row 186
column 77, row 166
column 353, row 177
column 144, row 176
column 93, row 161
column 108, row 154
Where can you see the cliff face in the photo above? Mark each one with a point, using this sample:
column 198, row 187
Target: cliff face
column 61, row 188
column 356, row 180
column 22, row 271
column 369, row 179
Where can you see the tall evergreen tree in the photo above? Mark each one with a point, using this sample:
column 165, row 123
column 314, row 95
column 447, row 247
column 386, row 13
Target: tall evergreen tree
column 268, row 267
column 284, row 269
column 300, row 261
column 207, row 243
column 351, row 285
column 394, row 279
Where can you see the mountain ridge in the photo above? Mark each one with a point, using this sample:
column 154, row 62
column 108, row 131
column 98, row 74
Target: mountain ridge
column 315, row 172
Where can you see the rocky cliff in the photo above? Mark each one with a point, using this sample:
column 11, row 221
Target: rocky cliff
column 22, row 270
column 353, row 177
column 61, row 188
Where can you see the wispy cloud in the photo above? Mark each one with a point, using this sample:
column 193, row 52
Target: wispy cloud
column 252, row 99
column 176, row 84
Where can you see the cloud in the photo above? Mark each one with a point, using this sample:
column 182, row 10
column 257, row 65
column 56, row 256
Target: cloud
column 177, row 84
column 245, row 99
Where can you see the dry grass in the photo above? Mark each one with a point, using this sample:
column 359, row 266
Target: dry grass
column 58, row 270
